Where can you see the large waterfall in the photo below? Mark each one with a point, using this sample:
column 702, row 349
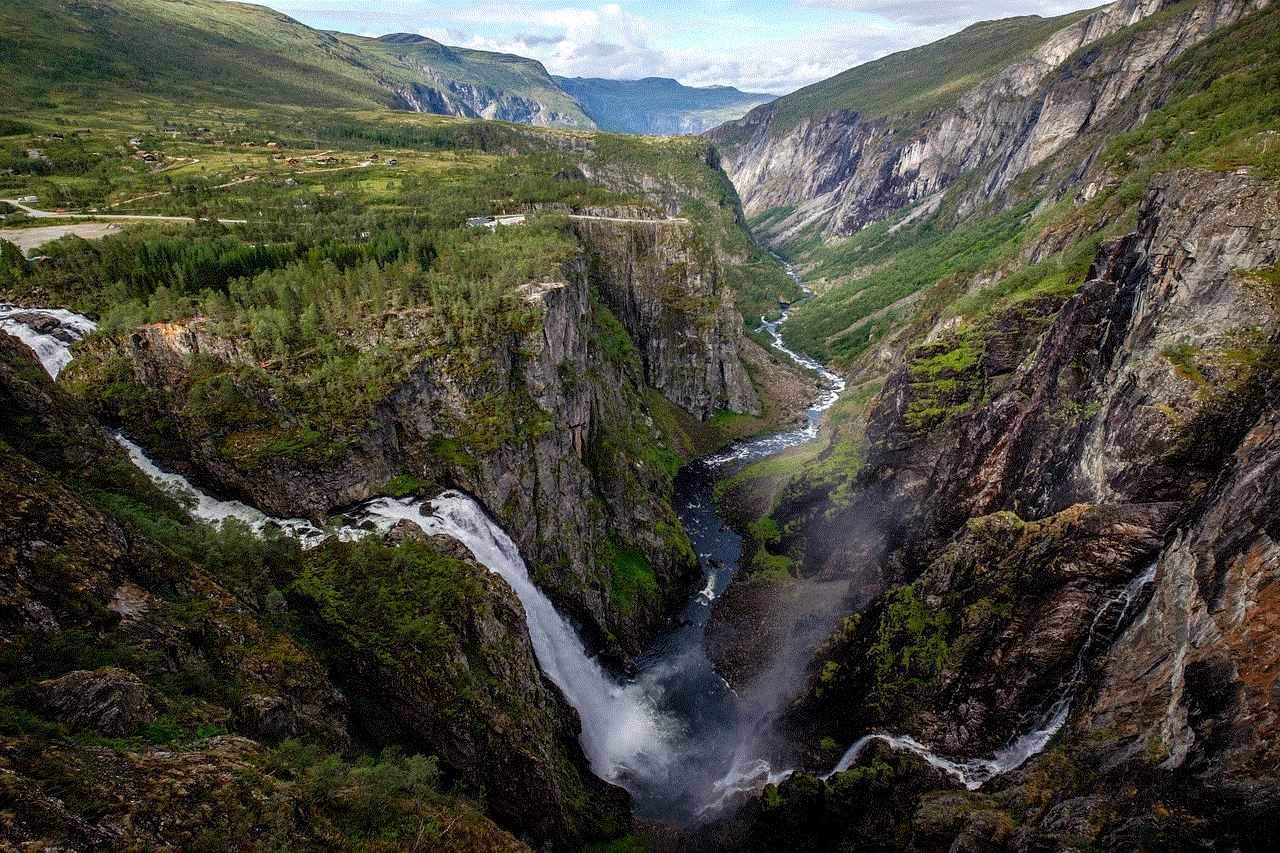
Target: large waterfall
column 675, row 735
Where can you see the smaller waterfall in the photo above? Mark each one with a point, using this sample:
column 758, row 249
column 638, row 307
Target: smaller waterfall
column 50, row 332
column 975, row 771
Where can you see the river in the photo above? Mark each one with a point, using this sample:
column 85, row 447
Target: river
column 675, row 736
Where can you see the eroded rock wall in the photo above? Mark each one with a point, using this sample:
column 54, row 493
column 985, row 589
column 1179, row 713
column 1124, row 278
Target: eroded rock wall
column 844, row 171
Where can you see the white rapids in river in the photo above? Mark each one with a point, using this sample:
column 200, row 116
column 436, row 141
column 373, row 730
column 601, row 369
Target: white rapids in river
column 49, row 332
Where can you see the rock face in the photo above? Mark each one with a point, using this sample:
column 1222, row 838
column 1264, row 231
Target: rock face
column 468, row 100
column 844, row 171
column 1136, row 421
column 548, row 429
column 674, row 304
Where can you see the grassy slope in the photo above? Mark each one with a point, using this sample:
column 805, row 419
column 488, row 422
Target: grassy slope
column 924, row 77
column 620, row 105
column 502, row 72
column 231, row 53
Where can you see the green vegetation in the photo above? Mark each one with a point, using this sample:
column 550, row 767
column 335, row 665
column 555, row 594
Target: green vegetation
column 631, row 575
column 841, row 323
column 202, row 51
column 1223, row 112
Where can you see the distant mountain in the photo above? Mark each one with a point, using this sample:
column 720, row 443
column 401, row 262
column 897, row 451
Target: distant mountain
column 658, row 105
column 474, row 83
column 238, row 54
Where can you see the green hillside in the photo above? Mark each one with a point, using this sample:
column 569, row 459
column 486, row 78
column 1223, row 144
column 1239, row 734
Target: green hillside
column 227, row 53
column 923, row 77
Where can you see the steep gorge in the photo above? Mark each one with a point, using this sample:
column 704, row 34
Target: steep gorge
column 551, row 429
column 1032, row 451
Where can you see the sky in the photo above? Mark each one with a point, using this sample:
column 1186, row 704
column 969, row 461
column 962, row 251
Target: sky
column 773, row 46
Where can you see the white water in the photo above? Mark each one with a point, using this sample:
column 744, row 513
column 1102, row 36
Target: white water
column 620, row 732
column 766, row 446
column 213, row 511
column 972, row 773
column 59, row 330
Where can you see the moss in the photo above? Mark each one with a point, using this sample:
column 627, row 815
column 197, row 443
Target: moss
column 631, row 577
column 404, row 485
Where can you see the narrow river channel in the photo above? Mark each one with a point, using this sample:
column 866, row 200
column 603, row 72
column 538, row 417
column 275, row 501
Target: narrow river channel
column 718, row 747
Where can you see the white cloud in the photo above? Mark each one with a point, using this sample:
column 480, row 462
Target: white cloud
column 764, row 46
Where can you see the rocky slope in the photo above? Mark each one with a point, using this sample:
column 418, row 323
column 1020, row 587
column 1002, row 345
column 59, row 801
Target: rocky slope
column 473, row 83
column 193, row 698
column 840, row 172
column 548, row 429
column 1133, row 422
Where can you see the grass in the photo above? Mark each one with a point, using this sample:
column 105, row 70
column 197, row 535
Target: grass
column 920, row 79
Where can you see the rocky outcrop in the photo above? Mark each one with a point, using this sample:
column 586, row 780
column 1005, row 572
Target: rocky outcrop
column 673, row 301
column 968, row 656
column 110, row 700
column 843, row 171
column 548, row 427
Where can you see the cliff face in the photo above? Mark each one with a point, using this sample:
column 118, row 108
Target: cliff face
column 842, row 172
column 195, row 661
column 672, row 299
column 1136, row 422
column 547, row 428
column 469, row 100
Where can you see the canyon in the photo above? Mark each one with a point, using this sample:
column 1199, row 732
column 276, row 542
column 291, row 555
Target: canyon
column 1014, row 591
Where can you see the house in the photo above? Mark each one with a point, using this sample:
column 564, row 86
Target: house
column 248, row 145
column 292, row 161
column 391, row 161
column 273, row 144
column 327, row 161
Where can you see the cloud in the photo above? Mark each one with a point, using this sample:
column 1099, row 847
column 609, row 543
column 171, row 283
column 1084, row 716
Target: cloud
column 764, row 46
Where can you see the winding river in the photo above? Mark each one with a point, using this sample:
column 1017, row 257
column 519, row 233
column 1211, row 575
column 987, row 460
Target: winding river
column 675, row 736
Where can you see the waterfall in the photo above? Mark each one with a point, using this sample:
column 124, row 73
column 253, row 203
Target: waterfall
column 50, row 332
column 973, row 772
column 620, row 731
